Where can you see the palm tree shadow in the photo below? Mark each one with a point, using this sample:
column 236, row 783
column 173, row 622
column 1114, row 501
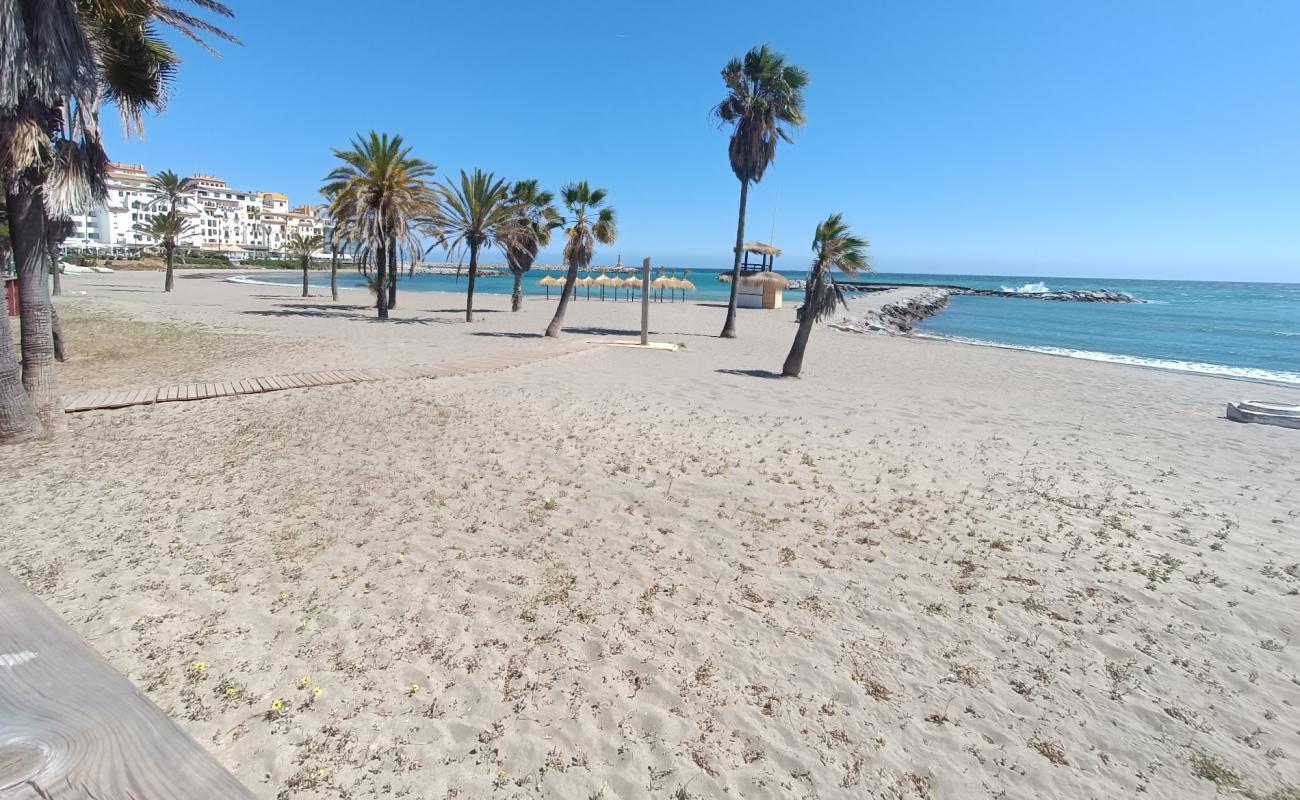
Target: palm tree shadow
column 752, row 373
column 594, row 331
column 507, row 334
column 461, row 310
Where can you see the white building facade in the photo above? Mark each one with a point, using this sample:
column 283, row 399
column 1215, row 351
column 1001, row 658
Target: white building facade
column 221, row 220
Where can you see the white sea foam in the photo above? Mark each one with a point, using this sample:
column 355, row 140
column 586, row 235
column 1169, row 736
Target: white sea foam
column 1028, row 288
column 244, row 279
column 1241, row 373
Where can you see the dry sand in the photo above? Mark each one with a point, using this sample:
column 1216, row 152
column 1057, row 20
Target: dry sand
column 923, row 570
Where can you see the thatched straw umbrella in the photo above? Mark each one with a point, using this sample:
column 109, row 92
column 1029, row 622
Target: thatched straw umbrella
column 662, row 282
column 550, row 281
column 603, row 281
column 685, row 285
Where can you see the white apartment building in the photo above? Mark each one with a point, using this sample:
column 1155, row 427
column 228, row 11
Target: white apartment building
column 238, row 224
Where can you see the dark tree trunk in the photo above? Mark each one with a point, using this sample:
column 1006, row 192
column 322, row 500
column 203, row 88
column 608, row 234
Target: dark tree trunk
column 473, row 273
column 27, row 234
column 557, row 322
column 381, row 281
column 517, row 296
column 306, row 265
column 60, row 351
column 334, row 273
column 18, row 421
column 169, row 282
column 729, row 327
column 812, row 295
column 54, row 271
column 392, row 272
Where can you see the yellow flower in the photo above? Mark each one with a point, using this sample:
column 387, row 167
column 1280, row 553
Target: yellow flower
column 230, row 691
column 277, row 704
column 501, row 774
column 305, row 680
column 415, row 687
column 401, row 556
column 199, row 666
column 316, row 691
column 320, row 773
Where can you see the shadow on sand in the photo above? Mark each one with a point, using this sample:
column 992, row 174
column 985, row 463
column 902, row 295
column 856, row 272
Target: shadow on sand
column 507, row 335
column 304, row 311
column 752, row 373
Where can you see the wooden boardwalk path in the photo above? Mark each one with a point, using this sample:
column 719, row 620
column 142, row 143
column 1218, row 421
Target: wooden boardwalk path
column 90, row 401
column 73, row 728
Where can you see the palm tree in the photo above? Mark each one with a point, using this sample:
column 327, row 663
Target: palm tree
column 61, row 59
column 834, row 248
column 303, row 247
column 169, row 187
column 590, row 221
column 379, row 198
column 168, row 227
column 527, row 232
column 56, row 231
column 471, row 214
column 764, row 98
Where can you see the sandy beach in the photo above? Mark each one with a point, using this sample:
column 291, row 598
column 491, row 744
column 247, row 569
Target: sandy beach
column 923, row 570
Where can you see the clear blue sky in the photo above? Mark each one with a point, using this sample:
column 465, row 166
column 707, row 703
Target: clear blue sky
column 1112, row 139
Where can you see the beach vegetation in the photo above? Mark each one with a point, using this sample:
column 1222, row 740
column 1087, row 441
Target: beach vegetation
column 381, row 200
column 764, row 102
column 471, row 214
column 527, row 231
column 589, row 222
column 835, row 247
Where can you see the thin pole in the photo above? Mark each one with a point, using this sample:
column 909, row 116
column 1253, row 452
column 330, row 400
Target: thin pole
column 645, row 302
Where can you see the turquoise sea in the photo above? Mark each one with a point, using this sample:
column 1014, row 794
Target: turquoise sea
column 1242, row 330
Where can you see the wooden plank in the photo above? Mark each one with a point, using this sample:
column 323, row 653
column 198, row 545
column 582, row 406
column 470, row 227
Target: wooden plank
column 266, row 384
column 73, row 727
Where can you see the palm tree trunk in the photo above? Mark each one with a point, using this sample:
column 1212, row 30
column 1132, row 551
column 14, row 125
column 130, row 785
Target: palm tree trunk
column 381, row 281
column 169, row 281
column 18, row 421
column 392, row 272
column 306, row 264
column 334, row 273
column 557, row 322
column 812, row 295
column 54, row 270
column 27, row 234
column 473, row 273
column 517, row 295
column 729, row 327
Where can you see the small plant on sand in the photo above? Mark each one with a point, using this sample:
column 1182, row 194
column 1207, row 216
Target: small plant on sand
column 1209, row 768
column 1050, row 750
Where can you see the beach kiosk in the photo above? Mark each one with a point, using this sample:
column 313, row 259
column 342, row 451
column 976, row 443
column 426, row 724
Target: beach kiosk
column 760, row 286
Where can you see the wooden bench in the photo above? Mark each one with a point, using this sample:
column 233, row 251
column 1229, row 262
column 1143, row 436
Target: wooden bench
column 72, row 727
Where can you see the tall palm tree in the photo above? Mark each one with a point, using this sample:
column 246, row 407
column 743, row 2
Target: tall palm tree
column 60, row 59
column 527, row 232
column 764, row 99
column 168, row 227
column 379, row 198
column 590, row 221
column 303, row 247
column 834, row 248
column 472, row 214
column 169, row 187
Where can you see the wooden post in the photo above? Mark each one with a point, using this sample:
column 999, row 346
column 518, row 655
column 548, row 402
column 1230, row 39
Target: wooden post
column 645, row 302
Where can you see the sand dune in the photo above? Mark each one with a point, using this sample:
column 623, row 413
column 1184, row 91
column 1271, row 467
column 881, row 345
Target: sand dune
column 923, row 570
